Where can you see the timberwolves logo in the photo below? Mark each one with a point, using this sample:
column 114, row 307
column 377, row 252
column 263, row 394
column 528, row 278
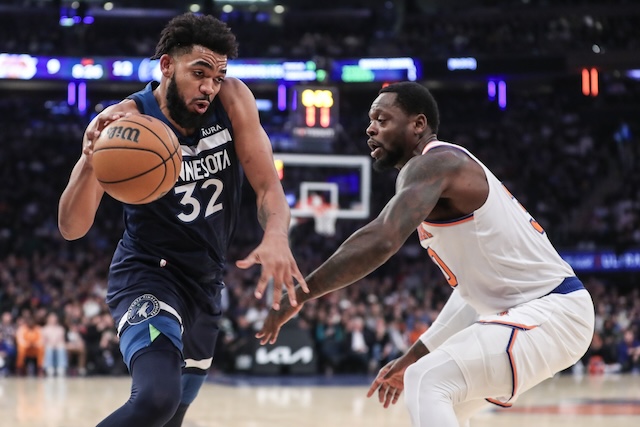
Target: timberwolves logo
column 142, row 308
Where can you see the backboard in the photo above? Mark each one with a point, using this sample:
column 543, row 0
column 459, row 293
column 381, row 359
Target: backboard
column 344, row 183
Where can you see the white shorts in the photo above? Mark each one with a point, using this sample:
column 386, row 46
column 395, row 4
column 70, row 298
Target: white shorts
column 504, row 355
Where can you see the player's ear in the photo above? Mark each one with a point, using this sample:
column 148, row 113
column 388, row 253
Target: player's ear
column 166, row 65
column 420, row 123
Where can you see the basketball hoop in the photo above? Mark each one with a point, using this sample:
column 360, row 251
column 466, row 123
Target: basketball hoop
column 325, row 217
column 324, row 214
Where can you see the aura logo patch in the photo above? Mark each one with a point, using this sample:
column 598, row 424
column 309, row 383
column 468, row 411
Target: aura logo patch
column 142, row 308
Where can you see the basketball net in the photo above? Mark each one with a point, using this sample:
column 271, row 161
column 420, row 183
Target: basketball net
column 324, row 215
column 325, row 219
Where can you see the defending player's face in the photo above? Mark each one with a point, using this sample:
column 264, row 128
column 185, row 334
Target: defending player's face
column 387, row 132
column 196, row 80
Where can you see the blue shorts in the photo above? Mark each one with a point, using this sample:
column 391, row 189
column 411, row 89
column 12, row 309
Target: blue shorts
column 148, row 316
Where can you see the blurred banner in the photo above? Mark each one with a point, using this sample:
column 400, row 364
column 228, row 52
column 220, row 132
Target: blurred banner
column 603, row 261
column 28, row 67
column 339, row 70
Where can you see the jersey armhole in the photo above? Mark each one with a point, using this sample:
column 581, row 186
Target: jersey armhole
column 137, row 99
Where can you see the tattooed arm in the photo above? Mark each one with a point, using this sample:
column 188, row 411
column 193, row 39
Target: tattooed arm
column 418, row 188
column 422, row 182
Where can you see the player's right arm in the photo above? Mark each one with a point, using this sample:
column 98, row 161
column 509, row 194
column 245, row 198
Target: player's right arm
column 454, row 317
column 80, row 199
column 390, row 379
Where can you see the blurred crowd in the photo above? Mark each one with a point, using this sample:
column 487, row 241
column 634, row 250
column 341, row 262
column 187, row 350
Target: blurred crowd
column 350, row 29
column 570, row 159
column 563, row 157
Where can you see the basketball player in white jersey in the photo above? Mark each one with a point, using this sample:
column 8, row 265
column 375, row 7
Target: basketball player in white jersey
column 517, row 314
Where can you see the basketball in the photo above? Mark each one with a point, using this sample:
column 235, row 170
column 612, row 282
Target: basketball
column 137, row 159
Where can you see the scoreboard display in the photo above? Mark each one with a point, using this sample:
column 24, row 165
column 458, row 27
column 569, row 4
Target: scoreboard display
column 314, row 113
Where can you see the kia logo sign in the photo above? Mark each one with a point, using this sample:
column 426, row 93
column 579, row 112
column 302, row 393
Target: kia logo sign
column 283, row 356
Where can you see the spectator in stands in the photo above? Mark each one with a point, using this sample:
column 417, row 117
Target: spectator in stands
column 398, row 337
column 420, row 326
column 55, row 352
column 76, row 348
column 8, row 348
column 358, row 341
column 382, row 349
column 600, row 357
column 109, row 360
column 329, row 335
column 99, row 339
column 235, row 340
column 30, row 345
column 610, row 332
column 629, row 352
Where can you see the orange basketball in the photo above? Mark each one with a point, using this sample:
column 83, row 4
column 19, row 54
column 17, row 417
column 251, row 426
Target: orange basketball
column 137, row 159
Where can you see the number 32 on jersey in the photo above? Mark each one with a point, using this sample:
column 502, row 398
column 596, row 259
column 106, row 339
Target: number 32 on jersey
column 193, row 205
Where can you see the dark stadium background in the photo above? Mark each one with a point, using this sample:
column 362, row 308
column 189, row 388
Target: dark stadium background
column 546, row 93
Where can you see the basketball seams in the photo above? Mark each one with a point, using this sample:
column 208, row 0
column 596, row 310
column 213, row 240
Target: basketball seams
column 132, row 178
column 151, row 193
column 157, row 187
column 162, row 161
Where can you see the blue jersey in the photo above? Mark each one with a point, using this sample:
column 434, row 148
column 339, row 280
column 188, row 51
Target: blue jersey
column 179, row 242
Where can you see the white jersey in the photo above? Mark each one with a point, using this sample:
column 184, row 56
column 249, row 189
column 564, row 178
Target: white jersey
column 498, row 256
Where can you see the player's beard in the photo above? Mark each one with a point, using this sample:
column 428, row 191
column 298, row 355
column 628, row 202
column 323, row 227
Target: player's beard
column 388, row 160
column 178, row 109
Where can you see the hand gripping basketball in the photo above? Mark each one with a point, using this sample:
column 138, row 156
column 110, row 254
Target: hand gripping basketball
column 137, row 158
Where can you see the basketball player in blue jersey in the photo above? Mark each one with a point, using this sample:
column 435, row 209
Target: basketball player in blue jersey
column 166, row 274
column 516, row 315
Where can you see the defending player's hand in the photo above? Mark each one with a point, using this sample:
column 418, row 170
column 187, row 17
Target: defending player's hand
column 274, row 321
column 389, row 382
column 276, row 259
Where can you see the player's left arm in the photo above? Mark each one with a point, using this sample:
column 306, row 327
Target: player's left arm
column 256, row 156
column 420, row 184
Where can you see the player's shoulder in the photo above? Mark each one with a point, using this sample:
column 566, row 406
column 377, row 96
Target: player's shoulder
column 232, row 86
column 447, row 157
column 441, row 157
column 437, row 163
column 236, row 97
column 125, row 106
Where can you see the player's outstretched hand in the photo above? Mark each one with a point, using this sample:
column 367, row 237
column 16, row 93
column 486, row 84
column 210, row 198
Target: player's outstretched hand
column 389, row 382
column 274, row 255
column 274, row 321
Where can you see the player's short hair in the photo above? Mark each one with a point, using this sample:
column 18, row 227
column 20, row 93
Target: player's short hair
column 413, row 98
column 187, row 30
